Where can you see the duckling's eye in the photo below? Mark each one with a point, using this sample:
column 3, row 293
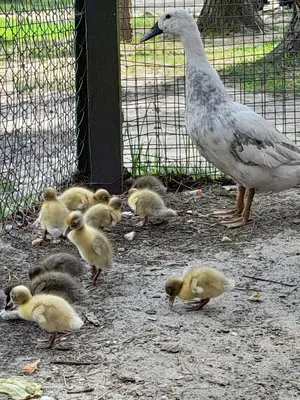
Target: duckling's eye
column 168, row 16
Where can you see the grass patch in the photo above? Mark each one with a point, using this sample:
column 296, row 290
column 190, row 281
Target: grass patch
column 265, row 73
column 29, row 5
column 38, row 39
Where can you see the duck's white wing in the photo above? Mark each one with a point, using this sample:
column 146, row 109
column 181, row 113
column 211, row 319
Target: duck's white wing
column 256, row 142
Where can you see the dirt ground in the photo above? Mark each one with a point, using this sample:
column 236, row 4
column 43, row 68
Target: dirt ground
column 233, row 349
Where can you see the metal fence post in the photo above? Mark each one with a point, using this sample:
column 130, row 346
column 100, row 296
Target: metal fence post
column 104, row 94
column 83, row 151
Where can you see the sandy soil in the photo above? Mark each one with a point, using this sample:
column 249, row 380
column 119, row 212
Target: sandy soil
column 233, row 349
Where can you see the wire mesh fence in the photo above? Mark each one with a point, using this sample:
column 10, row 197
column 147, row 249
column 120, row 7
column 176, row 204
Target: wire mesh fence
column 37, row 126
column 251, row 43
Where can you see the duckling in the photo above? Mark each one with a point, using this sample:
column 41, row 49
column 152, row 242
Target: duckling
column 93, row 246
column 104, row 215
column 148, row 182
column 101, row 196
column 204, row 283
column 80, row 198
column 63, row 262
column 53, row 214
column 52, row 313
column 50, row 282
column 147, row 203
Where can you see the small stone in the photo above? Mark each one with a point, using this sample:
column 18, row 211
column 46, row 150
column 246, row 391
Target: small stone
column 127, row 214
column 37, row 242
column 190, row 212
column 255, row 297
column 226, row 239
column 121, row 249
column 130, row 236
column 233, row 333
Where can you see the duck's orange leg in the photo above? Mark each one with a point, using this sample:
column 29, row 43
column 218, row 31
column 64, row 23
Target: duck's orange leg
column 243, row 219
column 238, row 209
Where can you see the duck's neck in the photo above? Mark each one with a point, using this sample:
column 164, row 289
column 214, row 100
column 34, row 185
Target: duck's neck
column 200, row 74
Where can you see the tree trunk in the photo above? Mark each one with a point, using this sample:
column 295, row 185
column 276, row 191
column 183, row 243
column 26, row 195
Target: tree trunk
column 125, row 20
column 291, row 40
column 219, row 17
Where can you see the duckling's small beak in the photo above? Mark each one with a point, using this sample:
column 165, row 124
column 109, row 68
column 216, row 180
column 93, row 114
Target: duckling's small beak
column 67, row 231
column 154, row 31
column 171, row 301
column 9, row 305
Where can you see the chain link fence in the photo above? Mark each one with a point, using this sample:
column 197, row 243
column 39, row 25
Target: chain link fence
column 254, row 45
column 37, row 92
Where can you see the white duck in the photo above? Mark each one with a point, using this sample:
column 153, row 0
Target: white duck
column 229, row 135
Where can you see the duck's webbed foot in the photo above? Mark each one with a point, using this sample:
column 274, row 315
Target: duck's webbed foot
column 238, row 209
column 243, row 219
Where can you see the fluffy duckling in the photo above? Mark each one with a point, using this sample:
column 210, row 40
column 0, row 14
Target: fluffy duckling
column 62, row 262
column 53, row 214
column 80, row 198
column 204, row 283
column 51, row 313
column 93, row 246
column 147, row 203
column 149, row 182
column 52, row 282
column 104, row 215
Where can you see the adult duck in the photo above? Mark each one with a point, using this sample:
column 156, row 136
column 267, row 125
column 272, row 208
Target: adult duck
column 229, row 135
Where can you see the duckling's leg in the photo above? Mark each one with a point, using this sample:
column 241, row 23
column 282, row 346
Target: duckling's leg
column 238, row 209
column 45, row 234
column 96, row 273
column 145, row 221
column 244, row 218
column 52, row 340
column 199, row 306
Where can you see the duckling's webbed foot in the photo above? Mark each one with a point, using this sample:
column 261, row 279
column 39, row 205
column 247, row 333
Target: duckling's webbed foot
column 199, row 305
column 50, row 342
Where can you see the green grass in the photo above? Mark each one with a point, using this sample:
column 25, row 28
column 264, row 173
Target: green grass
column 247, row 65
column 27, row 5
column 143, row 22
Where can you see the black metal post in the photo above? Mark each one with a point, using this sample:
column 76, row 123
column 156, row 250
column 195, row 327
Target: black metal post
column 104, row 94
column 83, row 151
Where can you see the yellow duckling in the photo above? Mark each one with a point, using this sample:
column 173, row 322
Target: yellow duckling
column 147, row 203
column 149, row 182
column 104, row 215
column 51, row 313
column 53, row 214
column 203, row 283
column 93, row 246
column 80, row 198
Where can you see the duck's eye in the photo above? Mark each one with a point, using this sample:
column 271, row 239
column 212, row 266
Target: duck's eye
column 168, row 16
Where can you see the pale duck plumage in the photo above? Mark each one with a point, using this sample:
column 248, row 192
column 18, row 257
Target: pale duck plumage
column 228, row 134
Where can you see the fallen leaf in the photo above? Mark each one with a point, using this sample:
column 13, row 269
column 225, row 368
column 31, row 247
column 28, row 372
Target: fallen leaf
column 18, row 388
column 30, row 368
